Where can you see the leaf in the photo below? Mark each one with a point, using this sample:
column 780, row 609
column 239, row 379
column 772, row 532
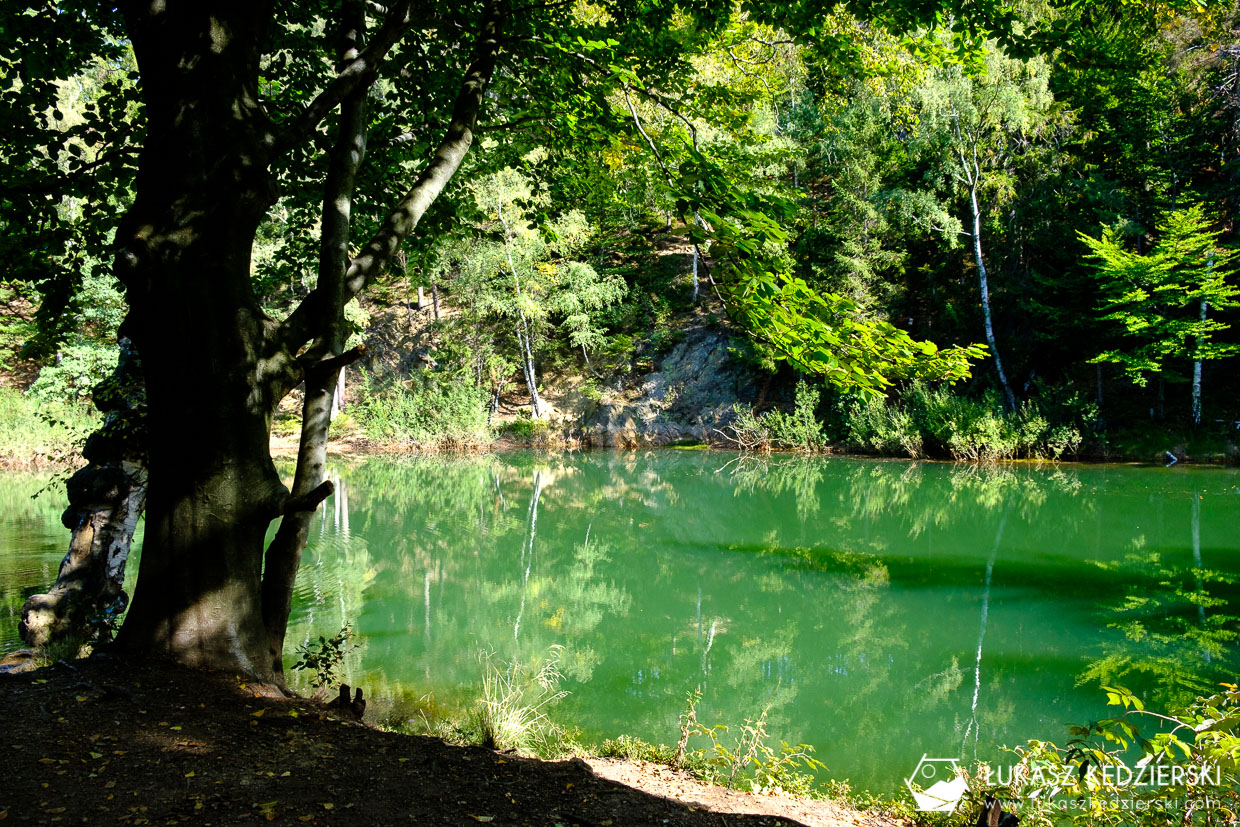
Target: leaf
column 483, row 819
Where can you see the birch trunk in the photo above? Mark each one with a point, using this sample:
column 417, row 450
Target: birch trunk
column 1009, row 399
column 523, row 328
column 1197, row 372
column 106, row 498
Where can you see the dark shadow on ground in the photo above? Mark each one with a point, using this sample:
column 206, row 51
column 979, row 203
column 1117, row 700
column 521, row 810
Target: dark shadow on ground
column 104, row 741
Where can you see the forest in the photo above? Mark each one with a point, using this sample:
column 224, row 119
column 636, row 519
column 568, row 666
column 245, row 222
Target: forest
column 965, row 243
column 243, row 241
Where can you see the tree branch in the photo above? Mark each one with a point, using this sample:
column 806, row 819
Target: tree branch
column 404, row 218
column 359, row 71
column 311, row 499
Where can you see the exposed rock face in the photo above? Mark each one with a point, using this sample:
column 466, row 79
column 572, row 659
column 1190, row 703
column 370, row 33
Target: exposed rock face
column 688, row 397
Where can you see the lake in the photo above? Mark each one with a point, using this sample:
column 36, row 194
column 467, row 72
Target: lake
column 877, row 610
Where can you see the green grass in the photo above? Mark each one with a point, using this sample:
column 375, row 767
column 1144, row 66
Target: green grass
column 35, row 434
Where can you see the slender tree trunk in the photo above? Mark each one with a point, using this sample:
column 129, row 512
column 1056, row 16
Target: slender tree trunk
column 1197, row 372
column 435, row 299
column 697, row 219
column 1009, row 399
column 106, row 498
column 523, row 328
column 324, row 394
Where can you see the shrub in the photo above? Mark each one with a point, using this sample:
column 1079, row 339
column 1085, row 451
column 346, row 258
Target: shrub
column 796, row 431
column 39, row 433
column 799, row 430
column 932, row 421
column 1090, row 781
column 74, row 376
column 441, row 413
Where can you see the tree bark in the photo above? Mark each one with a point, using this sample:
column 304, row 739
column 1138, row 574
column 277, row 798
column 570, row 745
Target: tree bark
column 106, row 498
column 1009, row 399
column 215, row 365
column 202, row 188
column 1197, row 372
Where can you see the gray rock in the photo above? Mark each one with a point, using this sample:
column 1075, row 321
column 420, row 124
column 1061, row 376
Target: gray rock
column 688, row 396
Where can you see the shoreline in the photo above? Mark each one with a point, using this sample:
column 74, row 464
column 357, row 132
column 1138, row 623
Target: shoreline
column 154, row 742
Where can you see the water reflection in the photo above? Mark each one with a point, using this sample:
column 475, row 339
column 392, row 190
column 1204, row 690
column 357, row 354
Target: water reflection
column 880, row 609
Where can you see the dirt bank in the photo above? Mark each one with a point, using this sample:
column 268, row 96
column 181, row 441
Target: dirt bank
column 103, row 741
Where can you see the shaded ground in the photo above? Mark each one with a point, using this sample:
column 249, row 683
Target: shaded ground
column 104, row 742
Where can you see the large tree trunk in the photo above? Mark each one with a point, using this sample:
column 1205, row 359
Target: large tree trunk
column 215, row 364
column 212, row 378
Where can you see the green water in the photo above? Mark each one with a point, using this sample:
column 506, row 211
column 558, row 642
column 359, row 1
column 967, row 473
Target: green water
column 881, row 610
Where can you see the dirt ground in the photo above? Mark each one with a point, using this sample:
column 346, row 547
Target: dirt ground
column 109, row 742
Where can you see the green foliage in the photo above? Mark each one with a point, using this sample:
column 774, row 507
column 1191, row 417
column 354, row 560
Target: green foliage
column 325, row 658
column 762, row 768
column 1159, row 302
column 926, row 421
column 745, row 762
column 1188, row 757
column 35, row 433
column 440, row 413
column 635, row 749
column 81, row 367
column 798, row 430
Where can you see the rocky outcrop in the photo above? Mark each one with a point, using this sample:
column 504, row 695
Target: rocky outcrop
column 688, row 397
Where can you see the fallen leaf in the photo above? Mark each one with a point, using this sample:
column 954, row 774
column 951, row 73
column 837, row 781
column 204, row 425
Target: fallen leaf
column 258, row 714
column 47, row 760
column 285, row 774
column 483, row 819
column 96, row 755
column 190, row 774
column 327, row 805
column 175, row 729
